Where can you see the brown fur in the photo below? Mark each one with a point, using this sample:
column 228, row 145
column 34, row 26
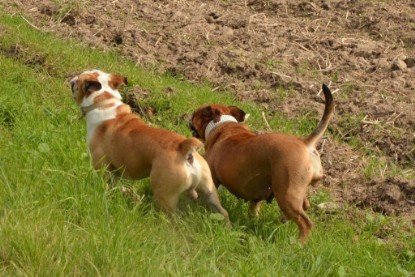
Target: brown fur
column 259, row 167
column 128, row 147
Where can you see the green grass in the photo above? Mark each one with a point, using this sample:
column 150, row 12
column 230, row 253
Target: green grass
column 57, row 216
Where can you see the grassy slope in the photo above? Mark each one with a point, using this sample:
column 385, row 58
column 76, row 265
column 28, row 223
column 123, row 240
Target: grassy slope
column 57, row 217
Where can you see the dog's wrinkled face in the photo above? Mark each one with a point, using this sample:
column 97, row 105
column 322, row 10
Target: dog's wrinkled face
column 90, row 81
column 203, row 115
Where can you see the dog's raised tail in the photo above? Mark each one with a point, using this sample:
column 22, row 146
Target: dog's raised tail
column 316, row 135
column 188, row 146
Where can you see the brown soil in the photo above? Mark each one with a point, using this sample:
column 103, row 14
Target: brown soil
column 260, row 49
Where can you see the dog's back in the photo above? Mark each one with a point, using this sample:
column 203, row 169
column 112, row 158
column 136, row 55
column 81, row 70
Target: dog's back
column 122, row 143
column 257, row 166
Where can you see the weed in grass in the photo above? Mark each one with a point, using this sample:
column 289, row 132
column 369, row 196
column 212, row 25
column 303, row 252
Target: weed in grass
column 349, row 127
column 348, row 91
column 273, row 64
column 7, row 118
column 380, row 168
column 335, row 76
column 320, row 196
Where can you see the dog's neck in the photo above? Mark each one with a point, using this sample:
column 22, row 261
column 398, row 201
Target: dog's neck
column 213, row 125
column 97, row 105
column 95, row 113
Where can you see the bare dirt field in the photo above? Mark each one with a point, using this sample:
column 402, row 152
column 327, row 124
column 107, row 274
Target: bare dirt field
column 365, row 51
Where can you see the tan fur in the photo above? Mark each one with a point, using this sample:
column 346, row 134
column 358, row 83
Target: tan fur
column 261, row 167
column 126, row 146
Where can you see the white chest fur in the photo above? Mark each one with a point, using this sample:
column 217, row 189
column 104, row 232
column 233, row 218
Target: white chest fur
column 97, row 117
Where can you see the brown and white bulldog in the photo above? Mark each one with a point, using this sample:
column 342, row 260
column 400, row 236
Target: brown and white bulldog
column 259, row 167
column 125, row 145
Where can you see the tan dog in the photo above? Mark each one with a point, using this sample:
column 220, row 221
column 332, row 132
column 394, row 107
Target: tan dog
column 259, row 167
column 123, row 144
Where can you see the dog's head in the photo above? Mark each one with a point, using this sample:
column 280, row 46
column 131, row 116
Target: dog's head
column 205, row 114
column 88, row 82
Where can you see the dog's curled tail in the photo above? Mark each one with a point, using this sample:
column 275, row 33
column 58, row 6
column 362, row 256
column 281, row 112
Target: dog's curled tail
column 316, row 135
column 188, row 146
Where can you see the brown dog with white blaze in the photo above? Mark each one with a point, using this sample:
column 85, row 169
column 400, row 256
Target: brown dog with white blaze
column 258, row 167
column 125, row 145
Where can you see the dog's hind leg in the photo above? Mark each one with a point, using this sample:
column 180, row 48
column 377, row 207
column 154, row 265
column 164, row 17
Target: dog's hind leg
column 166, row 192
column 212, row 199
column 206, row 188
column 306, row 204
column 208, row 191
column 166, row 202
column 291, row 203
column 254, row 208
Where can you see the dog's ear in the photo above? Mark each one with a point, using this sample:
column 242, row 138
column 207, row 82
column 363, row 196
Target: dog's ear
column 216, row 113
column 209, row 113
column 91, row 86
column 117, row 80
column 237, row 113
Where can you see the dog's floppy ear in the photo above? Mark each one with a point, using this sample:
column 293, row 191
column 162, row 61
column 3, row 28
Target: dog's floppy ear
column 211, row 114
column 117, row 80
column 207, row 111
column 91, row 86
column 237, row 113
column 216, row 115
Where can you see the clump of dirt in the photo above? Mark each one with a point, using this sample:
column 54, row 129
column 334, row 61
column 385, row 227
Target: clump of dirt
column 18, row 52
column 390, row 196
column 260, row 50
column 133, row 98
column 12, row 51
column 386, row 195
